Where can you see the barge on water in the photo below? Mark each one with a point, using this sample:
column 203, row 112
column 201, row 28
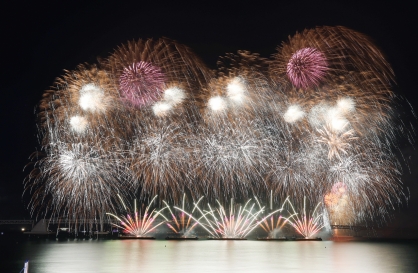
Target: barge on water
column 181, row 238
column 124, row 237
column 289, row 239
column 227, row 239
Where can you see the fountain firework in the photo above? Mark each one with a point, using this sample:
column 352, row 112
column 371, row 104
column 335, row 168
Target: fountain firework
column 234, row 223
column 306, row 224
column 184, row 223
column 272, row 224
column 140, row 224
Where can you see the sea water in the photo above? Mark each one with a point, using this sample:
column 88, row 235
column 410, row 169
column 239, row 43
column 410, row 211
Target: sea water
column 208, row 256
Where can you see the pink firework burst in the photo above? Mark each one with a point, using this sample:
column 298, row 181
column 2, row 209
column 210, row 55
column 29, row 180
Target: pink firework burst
column 307, row 67
column 141, row 83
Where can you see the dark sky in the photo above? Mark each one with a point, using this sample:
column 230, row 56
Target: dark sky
column 40, row 40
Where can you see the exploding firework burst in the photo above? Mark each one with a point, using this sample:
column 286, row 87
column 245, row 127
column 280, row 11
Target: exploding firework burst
column 231, row 160
column 337, row 142
column 141, row 83
column 146, row 68
column 272, row 223
column 307, row 67
column 335, row 50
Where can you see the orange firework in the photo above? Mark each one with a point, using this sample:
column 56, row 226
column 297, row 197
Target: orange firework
column 339, row 49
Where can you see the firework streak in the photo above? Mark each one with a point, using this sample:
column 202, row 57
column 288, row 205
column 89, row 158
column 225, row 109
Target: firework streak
column 318, row 119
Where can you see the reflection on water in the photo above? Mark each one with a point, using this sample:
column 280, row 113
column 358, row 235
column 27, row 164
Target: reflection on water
column 211, row 256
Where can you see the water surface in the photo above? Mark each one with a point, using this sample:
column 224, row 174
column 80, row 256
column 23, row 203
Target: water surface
column 209, row 256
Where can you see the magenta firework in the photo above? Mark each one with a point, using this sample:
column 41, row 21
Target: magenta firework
column 307, row 67
column 152, row 118
column 141, row 83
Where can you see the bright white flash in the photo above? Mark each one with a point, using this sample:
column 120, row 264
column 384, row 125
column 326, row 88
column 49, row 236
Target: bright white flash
column 336, row 120
column 217, row 104
column 161, row 108
column 346, row 105
column 78, row 124
column 293, row 113
column 236, row 90
column 174, row 95
column 335, row 117
column 92, row 98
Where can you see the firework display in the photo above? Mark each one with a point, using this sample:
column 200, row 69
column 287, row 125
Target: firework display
column 317, row 119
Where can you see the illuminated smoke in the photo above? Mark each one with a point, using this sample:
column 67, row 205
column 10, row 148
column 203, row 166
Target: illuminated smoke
column 338, row 205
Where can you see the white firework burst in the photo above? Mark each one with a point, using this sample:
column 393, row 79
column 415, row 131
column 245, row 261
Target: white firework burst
column 79, row 162
column 81, row 178
column 346, row 105
column 236, row 91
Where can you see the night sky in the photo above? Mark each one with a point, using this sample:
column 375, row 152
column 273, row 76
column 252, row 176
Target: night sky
column 40, row 40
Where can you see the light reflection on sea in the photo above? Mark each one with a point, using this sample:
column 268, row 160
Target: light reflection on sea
column 216, row 256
